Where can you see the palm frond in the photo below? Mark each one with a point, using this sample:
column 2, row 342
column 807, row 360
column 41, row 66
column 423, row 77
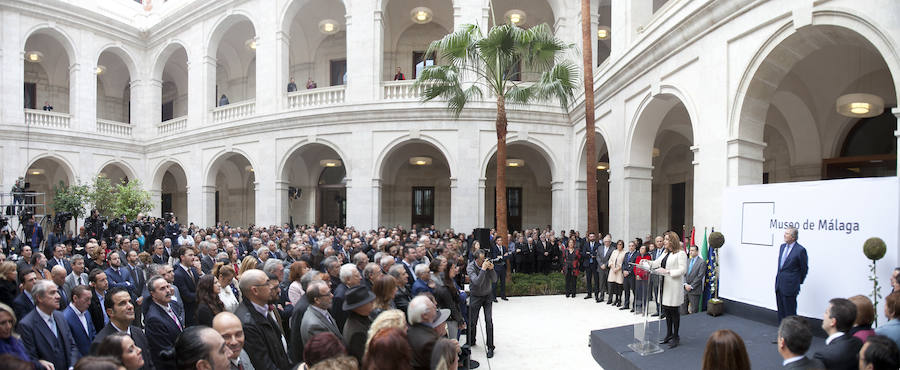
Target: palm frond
column 558, row 83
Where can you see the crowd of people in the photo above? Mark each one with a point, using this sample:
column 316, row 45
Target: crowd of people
column 326, row 297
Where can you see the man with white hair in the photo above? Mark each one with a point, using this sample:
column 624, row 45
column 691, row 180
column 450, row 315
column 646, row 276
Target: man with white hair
column 423, row 280
column 207, row 260
column 317, row 319
column 350, row 277
column 45, row 334
column 425, row 322
column 386, row 262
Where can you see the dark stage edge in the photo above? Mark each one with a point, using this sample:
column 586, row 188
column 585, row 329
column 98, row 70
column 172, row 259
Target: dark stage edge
column 610, row 346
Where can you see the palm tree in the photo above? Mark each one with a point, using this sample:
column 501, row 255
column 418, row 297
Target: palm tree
column 475, row 62
column 590, row 139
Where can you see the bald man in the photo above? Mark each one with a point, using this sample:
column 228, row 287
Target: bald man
column 229, row 327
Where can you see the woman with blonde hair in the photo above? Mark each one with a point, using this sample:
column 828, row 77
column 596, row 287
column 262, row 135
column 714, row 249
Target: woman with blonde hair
column 249, row 263
column 10, row 343
column 8, row 287
column 387, row 319
column 228, row 294
column 672, row 265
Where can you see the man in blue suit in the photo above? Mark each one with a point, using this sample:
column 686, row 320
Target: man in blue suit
column 24, row 302
column 118, row 275
column 44, row 331
column 79, row 319
column 792, row 269
column 186, row 277
column 161, row 325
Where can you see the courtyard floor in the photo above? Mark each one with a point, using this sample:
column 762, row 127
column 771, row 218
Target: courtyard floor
column 546, row 332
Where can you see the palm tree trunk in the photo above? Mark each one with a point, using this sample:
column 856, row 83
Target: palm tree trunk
column 500, row 190
column 590, row 140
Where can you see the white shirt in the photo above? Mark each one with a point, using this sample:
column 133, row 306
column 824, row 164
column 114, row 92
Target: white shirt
column 790, row 360
column 832, row 337
column 126, row 331
column 81, row 317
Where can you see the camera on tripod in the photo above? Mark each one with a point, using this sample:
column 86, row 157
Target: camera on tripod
column 61, row 219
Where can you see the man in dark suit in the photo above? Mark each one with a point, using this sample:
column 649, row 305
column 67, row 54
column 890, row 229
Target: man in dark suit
column 409, row 258
column 794, row 339
column 99, row 284
column 589, row 253
column 44, row 331
column 350, row 278
column 422, row 336
column 118, row 275
column 207, row 261
column 140, row 282
column 317, row 318
column 628, row 272
column 264, row 340
column 841, row 350
column 792, row 269
column 79, row 319
column 296, row 339
column 59, row 258
column 77, row 276
column 121, row 316
column 693, row 282
column 186, row 277
column 161, row 324
column 498, row 250
column 159, row 256
column 24, row 302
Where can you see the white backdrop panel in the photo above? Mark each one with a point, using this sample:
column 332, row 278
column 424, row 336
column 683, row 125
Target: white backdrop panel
column 834, row 218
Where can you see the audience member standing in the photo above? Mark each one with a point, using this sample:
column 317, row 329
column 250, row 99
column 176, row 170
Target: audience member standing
column 79, row 319
column 593, row 274
column 794, row 339
column 186, row 277
column 616, row 277
column 398, row 76
column 45, row 334
column 359, row 304
column 792, row 269
column 229, row 327
column 121, row 320
column 693, row 282
column 161, row 324
column 481, row 275
column 265, row 342
column 891, row 329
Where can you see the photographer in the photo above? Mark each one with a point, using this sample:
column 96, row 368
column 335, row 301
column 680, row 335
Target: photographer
column 94, row 225
column 481, row 276
column 17, row 189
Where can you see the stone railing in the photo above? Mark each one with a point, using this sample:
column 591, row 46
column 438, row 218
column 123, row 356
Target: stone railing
column 316, row 97
column 402, row 91
column 234, row 111
column 113, row 128
column 171, row 126
column 41, row 118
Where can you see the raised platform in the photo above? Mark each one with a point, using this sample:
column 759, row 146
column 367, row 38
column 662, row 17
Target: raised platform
column 610, row 346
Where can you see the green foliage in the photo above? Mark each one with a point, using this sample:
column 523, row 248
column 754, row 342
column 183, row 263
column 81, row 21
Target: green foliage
column 541, row 284
column 716, row 239
column 131, row 199
column 102, row 196
column 70, row 198
column 492, row 62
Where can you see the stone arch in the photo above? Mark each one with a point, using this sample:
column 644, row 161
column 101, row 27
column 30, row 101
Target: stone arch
column 538, row 145
column 755, row 91
column 123, row 54
column 162, row 57
column 55, row 32
column 283, row 162
column 161, row 168
column 378, row 165
column 123, row 166
column 652, row 110
column 221, row 25
column 216, row 160
column 64, row 163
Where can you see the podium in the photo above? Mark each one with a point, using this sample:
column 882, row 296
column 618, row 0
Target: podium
column 646, row 333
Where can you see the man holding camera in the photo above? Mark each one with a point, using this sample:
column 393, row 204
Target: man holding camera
column 481, row 276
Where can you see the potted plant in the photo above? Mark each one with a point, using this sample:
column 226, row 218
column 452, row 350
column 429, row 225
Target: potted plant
column 874, row 249
column 715, row 306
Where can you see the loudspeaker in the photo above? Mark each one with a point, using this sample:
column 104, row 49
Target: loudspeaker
column 483, row 236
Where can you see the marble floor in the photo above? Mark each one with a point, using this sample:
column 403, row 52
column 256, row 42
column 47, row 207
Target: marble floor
column 546, row 332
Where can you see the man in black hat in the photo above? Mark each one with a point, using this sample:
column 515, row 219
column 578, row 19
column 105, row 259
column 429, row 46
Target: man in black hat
column 358, row 304
column 426, row 323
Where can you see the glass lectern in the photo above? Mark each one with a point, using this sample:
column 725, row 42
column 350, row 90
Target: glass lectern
column 646, row 332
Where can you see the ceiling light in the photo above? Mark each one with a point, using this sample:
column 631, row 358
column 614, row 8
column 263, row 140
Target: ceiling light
column 655, row 152
column 602, row 33
column 330, row 163
column 34, row 56
column 36, row 171
column 860, row 105
column 420, row 161
column 515, row 16
column 602, row 165
column 513, row 162
column 328, row 26
column 421, row 15
column 248, row 168
column 251, row 43
column 100, row 69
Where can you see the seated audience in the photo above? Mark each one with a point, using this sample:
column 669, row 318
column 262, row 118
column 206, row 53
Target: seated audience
column 725, row 350
column 840, row 350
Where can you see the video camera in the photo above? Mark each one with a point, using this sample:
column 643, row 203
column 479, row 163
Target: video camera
column 61, row 219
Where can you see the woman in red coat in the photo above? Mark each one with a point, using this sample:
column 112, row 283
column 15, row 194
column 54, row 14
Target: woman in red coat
column 640, row 277
column 571, row 256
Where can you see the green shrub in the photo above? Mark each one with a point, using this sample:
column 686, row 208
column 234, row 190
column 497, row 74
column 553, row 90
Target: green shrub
column 541, row 284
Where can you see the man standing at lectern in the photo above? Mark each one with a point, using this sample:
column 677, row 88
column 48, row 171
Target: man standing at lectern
column 792, row 269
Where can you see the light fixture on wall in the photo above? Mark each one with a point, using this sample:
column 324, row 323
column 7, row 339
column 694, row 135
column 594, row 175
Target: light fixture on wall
column 421, row 15
column 602, row 33
column 34, row 56
column 602, row 165
column 515, row 16
column 330, row 163
column 248, row 168
column 655, row 152
column 36, row 171
column 100, row 69
column 328, row 26
column 860, row 105
column 515, row 162
column 251, row 43
column 420, row 161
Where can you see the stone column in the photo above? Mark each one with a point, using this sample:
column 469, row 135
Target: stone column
column 558, row 201
column 376, row 201
column 12, row 73
column 202, row 87
column 282, row 211
column 627, row 17
column 745, row 161
column 365, row 50
column 146, row 100
column 83, row 95
column 579, row 210
column 156, row 202
column 482, row 185
column 470, row 12
column 281, row 68
column 268, row 87
column 207, row 195
column 637, row 186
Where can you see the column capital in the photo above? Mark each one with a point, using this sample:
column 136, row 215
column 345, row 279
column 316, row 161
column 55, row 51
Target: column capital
column 635, row 172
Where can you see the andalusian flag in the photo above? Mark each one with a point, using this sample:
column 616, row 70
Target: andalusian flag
column 704, row 250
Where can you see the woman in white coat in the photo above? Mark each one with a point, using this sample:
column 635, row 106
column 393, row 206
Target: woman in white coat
column 672, row 264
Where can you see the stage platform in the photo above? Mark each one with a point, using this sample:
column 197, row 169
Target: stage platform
column 610, row 346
